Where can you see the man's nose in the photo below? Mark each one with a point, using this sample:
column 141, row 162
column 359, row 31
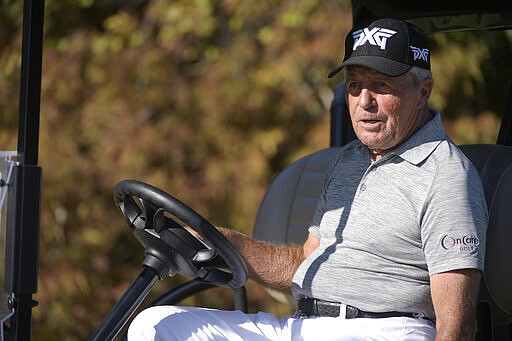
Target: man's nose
column 366, row 99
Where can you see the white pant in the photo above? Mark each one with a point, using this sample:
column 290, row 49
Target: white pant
column 190, row 323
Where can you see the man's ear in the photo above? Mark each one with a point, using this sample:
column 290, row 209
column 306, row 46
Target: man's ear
column 424, row 92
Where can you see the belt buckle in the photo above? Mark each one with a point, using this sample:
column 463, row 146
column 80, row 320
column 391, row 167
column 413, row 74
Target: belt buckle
column 305, row 305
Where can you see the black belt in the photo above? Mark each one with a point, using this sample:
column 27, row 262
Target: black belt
column 307, row 306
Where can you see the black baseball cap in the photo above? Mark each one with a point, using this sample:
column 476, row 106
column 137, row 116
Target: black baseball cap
column 388, row 45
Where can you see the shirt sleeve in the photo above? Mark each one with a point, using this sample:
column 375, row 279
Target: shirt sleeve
column 455, row 218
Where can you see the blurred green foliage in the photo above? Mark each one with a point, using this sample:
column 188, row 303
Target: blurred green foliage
column 206, row 99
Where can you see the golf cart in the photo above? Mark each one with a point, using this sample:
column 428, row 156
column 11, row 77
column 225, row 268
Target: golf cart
column 155, row 217
column 291, row 199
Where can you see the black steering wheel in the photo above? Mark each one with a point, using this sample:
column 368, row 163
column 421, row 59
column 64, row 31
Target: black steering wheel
column 158, row 221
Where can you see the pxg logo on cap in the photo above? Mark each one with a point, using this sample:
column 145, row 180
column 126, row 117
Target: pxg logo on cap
column 377, row 37
column 390, row 46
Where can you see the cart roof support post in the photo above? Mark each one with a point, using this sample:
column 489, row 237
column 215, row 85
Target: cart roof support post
column 23, row 220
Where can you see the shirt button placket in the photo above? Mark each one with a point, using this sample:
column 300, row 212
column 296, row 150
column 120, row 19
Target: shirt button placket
column 362, row 188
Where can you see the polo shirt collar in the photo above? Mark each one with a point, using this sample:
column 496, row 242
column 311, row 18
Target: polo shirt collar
column 420, row 145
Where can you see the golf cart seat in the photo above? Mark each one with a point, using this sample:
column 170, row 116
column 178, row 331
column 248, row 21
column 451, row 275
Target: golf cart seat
column 291, row 200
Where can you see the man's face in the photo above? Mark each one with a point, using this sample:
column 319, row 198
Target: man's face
column 384, row 110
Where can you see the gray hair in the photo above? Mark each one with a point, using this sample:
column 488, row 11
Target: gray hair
column 418, row 76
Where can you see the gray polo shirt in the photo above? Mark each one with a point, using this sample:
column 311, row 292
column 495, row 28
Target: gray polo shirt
column 385, row 227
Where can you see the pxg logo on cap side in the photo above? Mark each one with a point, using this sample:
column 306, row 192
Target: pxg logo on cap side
column 419, row 53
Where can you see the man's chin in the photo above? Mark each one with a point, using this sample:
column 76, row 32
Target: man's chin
column 372, row 141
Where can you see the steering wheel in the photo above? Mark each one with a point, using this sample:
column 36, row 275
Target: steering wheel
column 158, row 221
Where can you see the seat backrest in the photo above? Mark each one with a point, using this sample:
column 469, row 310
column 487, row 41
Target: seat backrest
column 290, row 202
column 494, row 164
column 289, row 205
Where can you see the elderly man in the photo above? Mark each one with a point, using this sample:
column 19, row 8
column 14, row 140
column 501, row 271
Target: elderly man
column 396, row 246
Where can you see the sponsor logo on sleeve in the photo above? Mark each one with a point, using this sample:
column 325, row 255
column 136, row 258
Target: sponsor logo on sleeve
column 467, row 243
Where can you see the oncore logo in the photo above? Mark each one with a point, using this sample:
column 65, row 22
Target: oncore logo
column 461, row 243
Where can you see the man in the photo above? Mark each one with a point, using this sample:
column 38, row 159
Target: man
column 396, row 245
